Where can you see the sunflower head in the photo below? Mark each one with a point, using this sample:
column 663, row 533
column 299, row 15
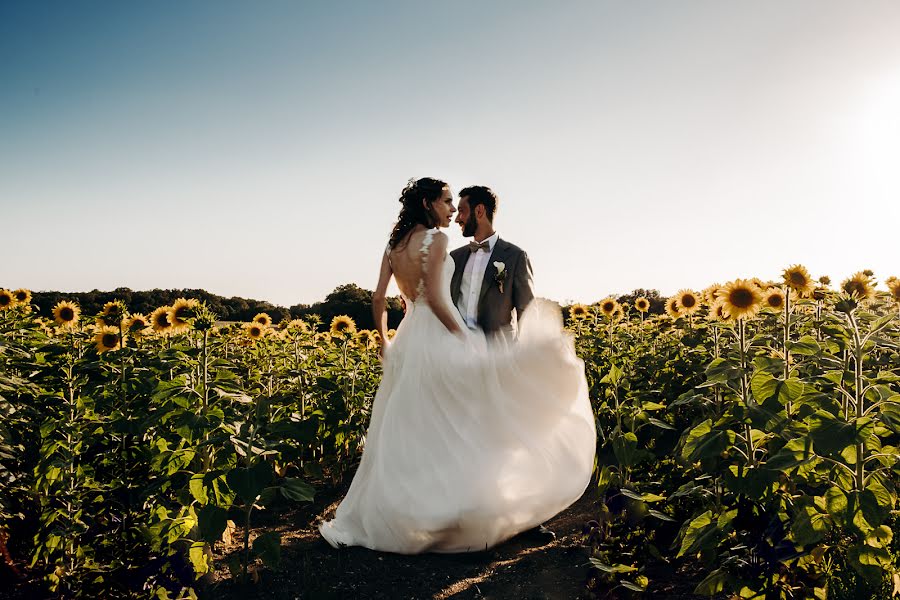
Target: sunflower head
column 366, row 338
column 608, row 307
column 341, row 325
column 688, row 302
column 773, row 298
column 112, row 314
column 717, row 311
column 711, row 293
column 66, row 314
column 182, row 313
column 797, row 278
column 263, row 319
column 578, row 312
column 22, row 296
column 859, row 285
column 159, row 320
column 825, row 280
column 672, row 307
column 107, row 338
column 642, row 304
column 298, row 326
column 893, row 285
column 7, row 300
column 137, row 325
column 741, row 299
column 255, row 331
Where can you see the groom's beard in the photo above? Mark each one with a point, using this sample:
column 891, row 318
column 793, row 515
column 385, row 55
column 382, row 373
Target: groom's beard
column 470, row 226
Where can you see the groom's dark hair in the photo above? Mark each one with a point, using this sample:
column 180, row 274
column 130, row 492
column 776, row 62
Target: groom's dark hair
column 480, row 194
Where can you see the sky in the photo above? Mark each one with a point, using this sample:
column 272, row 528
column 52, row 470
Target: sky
column 259, row 149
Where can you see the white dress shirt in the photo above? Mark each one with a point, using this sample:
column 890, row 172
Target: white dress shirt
column 473, row 275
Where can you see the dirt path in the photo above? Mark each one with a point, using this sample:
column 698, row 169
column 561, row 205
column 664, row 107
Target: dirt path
column 531, row 566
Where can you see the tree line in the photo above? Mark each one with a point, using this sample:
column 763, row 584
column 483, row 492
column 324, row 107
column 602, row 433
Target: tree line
column 348, row 299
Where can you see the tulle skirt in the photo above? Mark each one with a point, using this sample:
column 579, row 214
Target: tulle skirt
column 471, row 441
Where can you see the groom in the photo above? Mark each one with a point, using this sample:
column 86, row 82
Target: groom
column 493, row 282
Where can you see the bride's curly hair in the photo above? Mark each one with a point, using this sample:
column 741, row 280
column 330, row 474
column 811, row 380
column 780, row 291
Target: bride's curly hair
column 414, row 212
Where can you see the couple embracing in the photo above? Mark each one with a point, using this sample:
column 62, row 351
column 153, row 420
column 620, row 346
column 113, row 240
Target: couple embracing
column 481, row 427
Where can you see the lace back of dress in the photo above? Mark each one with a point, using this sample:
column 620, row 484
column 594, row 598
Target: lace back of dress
column 423, row 251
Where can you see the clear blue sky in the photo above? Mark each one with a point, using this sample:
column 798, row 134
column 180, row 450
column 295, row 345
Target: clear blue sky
column 258, row 149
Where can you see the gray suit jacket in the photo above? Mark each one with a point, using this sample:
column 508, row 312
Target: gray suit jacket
column 495, row 309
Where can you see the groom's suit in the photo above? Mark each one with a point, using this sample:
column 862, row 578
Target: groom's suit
column 497, row 311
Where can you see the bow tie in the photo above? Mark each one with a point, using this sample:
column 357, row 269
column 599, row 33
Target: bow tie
column 475, row 246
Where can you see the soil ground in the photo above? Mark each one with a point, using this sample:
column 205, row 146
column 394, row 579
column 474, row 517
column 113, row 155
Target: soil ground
column 531, row 566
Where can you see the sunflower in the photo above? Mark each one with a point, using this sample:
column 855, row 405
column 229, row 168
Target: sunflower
column 893, row 285
column 112, row 314
column 255, row 331
column 66, row 313
column 742, row 299
column 717, row 312
column 688, row 302
column 578, row 312
column 107, row 338
column 366, row 338
column 609, row 306
column 7, row 300
column 711, row 293
column 298, row 325
column 859, row 285
column 22, row 296
column 136, row 325
column 182, row 310
column 159, row 320
column 773, row 298
column 642, row 304
column 797, row 278
column 672, row 308
column 263, row 319
column 342, row 324
column 825, row 280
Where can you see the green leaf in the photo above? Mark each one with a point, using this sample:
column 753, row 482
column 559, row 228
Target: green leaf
column 296, row 489
column 701, row 532
column 830, row 435
column 713, row 584
column 249, row 483
column 660, row 515
column 198, row 488
column 805, row 346
column 660, row 424
column 810, row 526
column 703, row 442
column 268, row 547
column 625, row 449
column 199, row 558
column 212, row 521
column 617, row 568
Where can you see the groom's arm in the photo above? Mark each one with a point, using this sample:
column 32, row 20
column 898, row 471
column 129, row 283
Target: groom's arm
column 523, row 286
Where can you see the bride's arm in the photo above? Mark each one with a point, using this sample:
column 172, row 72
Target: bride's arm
column 379, row 301
column 433, row 273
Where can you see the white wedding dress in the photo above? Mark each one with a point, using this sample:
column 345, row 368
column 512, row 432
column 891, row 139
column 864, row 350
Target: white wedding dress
column 469, row 443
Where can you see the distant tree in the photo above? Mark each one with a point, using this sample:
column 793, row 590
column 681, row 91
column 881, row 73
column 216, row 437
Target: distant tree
column 657, row 302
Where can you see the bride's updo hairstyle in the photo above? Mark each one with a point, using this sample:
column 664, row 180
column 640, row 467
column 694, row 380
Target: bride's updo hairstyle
column 414, row 211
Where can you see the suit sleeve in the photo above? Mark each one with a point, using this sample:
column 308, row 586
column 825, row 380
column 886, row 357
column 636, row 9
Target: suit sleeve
column 523, row 286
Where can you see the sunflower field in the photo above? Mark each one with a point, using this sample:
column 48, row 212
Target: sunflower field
column 747, row 439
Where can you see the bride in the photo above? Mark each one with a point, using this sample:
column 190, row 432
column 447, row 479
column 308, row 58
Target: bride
column 470, row 442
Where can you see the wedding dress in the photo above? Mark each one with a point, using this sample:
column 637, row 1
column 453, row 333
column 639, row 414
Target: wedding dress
column 469, row 443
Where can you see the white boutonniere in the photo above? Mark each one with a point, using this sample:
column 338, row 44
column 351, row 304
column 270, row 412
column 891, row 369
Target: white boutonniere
column 500, row 277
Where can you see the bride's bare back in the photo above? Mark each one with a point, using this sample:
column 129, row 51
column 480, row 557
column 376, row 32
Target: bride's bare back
column 408, row 264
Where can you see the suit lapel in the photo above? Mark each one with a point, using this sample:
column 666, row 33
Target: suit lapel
column 459, row 258
column 490, row 272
